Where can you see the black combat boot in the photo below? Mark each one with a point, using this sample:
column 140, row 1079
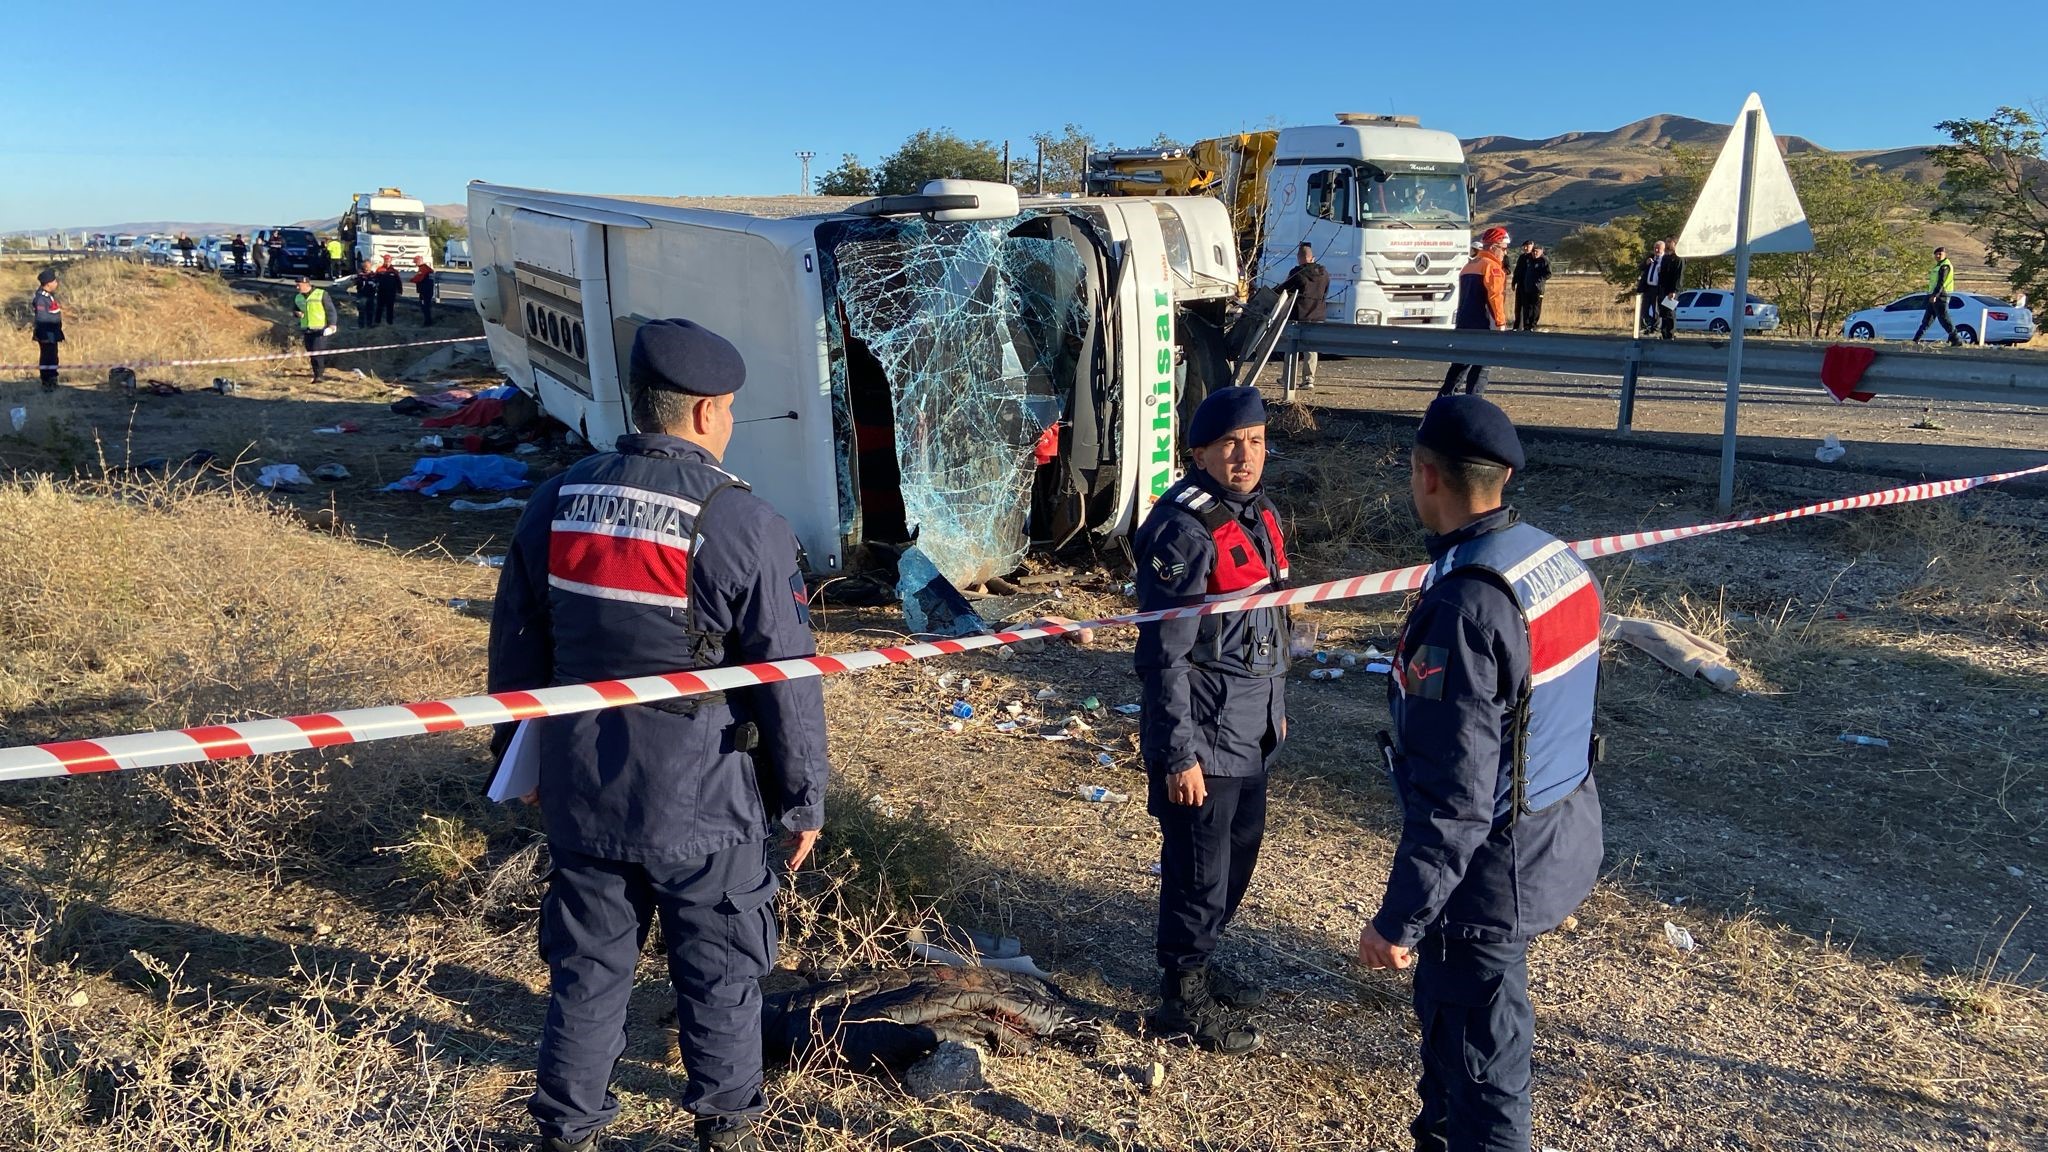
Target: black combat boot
column 557, row 1144
column 1234, row 991
column 1187, row 1008
column 727, row 1134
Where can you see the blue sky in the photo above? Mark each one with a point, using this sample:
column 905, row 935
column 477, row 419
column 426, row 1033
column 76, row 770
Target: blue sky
column 125, row 111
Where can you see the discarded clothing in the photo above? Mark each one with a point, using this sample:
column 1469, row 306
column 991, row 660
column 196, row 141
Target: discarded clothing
column 894, row 1018
column 439, row 402
column 1841, row 369
column 1675, row 648
column 475, row 414
column 283, row 478
column 434, row 475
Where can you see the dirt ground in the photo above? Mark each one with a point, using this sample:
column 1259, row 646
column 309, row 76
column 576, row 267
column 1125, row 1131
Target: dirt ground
column 1868, row 941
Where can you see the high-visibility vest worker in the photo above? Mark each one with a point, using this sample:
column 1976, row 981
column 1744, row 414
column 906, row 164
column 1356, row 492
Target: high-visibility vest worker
column 334, row 253
column 1943, row 281
column 312, row 309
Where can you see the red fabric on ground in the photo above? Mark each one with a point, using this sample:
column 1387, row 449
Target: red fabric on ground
column 476, row 414
column 1842, row 366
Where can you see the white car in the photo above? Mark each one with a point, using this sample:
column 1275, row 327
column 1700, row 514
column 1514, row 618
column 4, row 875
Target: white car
column 159, row 250
column 1707, row 310
column 1978, row 319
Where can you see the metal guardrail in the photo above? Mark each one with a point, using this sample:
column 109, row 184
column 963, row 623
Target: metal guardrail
column 1977, row 375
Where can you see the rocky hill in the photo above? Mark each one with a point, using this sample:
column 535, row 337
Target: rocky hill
column 1543, row 189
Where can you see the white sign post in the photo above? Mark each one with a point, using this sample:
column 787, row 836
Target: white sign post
column 1747, row 205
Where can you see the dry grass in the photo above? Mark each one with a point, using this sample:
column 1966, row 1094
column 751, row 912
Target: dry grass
column 211, row 605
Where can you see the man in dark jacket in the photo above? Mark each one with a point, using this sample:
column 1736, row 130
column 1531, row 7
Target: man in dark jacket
column 240, row 248
column 1663, row 273
column 646, row 561
column 1492, row 693
column 1310, row 283
column 423, row 283
column 1532, row 274
column 366, row 296
column 1214, row 707
column 389, row 285
column 46, row 315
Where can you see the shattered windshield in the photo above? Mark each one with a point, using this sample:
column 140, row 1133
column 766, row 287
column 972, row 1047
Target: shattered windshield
column 1422, row 198
column 952, row 338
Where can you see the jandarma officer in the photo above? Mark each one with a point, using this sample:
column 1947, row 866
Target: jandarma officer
column 651, row 559
column 1215, row 708
column 1492, row 751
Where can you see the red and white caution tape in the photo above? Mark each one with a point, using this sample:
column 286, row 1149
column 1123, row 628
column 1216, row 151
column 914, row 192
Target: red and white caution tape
column 294, row 354
column 361, row 725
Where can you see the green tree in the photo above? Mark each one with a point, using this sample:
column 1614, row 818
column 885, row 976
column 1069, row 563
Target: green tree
column 1614, row 250
column 935, row 154
column 1066, row 158
column 851, row 178
column 1863, row 227
column 440, row 232
column 1995, row 179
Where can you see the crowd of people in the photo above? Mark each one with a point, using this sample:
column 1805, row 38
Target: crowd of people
column 317, row 315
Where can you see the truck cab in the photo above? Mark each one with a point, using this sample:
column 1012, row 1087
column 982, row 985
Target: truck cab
column 1385, row 204
column 384, row 223
column 963, row 369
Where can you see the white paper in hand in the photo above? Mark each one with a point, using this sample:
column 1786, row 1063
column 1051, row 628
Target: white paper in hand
column 519, row 770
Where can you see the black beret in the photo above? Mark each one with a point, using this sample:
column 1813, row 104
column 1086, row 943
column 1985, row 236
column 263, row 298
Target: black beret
column 1467, row 427
column 1225, row 411
column 678, row 356
column 46, row 276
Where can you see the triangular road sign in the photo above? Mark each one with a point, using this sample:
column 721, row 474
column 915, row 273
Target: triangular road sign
column 1776, row 221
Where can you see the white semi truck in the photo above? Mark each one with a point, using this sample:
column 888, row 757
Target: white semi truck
column 959, row 368
column 383, row 223
column 1385, row 202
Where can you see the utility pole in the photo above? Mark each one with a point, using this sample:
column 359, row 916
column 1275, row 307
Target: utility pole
column 1006, row 161
column 806, row 157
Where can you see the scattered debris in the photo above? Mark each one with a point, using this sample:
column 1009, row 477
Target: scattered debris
column 931, row 605
column 78, row 999
column 1675, row 648
column 283, row 478
column 1048, row 694
column 1326, row 674
column 338, row 428
column 1091, row 704
column 223, row 385
column 962, row 710
column 1097, row 794
column 433, row 475
column 1866, row 741
column 1014, row 708
column 1153, row 1078
column 1679, row 938
column 431, row 442
column 1105, row 759
column 2015, row 871
column 482, row 561
column 18, row 417
column 330, row 472
column 507, row 504
column 895, row 1018
column 1130, row 709
column 1830, row 450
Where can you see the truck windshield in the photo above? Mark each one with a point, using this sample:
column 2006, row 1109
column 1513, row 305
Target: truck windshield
column 398, row 223
column 1416, row 197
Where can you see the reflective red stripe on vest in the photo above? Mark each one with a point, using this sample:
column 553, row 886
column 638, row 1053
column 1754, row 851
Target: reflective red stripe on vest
column 1279, row 545
column 618, row 542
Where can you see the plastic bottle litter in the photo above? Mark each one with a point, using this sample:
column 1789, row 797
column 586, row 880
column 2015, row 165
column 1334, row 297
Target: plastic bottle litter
column 1097, row 794
column 1105, row 759
column 1322, row 657
column 1866, row 741
column 948, row 679
column 1349, row 661
column 1326, row 674
column 962, row 710
column 1091, row 704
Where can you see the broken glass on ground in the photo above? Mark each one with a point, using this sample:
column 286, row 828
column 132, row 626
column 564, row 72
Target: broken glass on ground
column 931, row 605
column 966, row 323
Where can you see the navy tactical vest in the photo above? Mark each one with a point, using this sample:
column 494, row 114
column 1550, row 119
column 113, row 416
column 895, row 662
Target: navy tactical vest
column 620, row 547
column 1260, row 636
column 1560, row 602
